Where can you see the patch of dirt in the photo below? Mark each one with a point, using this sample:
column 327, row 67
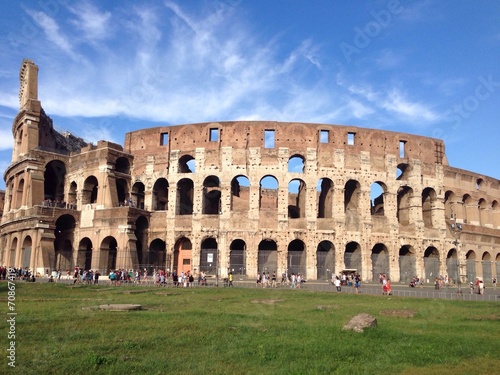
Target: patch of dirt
column 267, row 301
column 400, row 313
column 135, row 291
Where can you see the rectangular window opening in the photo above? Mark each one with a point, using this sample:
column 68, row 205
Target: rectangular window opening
column 350, row 138
column 268, row 138
column 324, row 136
column 214, row 135
column 164, row 139
column 402, row 149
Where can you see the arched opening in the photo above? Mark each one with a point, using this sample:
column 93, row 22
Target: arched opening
column 428, row 206
column 18, row 145
column 141, row 233
column 484, row 219
column 352, row 257
column 160, row 195
column 240, row 193
column 404, row 205
column 122, row 165
column 380, row 261
column 63, row 243
column 26, row 252
column 84, row 258
column 237, row 263
column 187, row 164
column 469, row 209
column 486, row 263
column 185, row 194
column 89, row 194
column 13, row 253
column 209, row 256
column 325, row 260
column 431, row 264
column 211, row 204
column 497, row 266
column 157, row 252
column 267, row 257
column 377, row 191
column 137, row 199
column 324, row 189
column 182, row 256
column 121, row 191
column 73, row 188
column 470, row 262
column 407, row 264
column 54, row 176
column 352, row 190
column 495, row 214
column 449, row 206
column 296, row 258
column 402, row 171
column 268, row 194
column 296, row 164
column 296, row 199
column 452, row 266
column 108, row 254
column 19, row 194
column 479, row 184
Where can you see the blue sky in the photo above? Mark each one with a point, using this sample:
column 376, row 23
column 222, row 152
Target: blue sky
column 107, row 67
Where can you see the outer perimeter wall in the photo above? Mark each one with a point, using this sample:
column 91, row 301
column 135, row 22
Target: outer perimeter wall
column 316, row 199
column 244, row 197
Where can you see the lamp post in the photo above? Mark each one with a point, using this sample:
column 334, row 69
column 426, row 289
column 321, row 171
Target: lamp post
column 217, row 267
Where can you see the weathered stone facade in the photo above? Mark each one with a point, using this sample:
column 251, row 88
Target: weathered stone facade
column 246, row 197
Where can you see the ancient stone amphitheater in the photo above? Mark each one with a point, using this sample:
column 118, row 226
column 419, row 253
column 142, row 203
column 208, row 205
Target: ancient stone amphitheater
column 244, row 197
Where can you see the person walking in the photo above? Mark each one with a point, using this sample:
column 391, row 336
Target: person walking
column 357, row 283
column 338, row 284
column 388, row 288
column 293, row 280
column 481, row 287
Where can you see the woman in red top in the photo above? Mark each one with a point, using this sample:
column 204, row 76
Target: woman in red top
column 388, row 287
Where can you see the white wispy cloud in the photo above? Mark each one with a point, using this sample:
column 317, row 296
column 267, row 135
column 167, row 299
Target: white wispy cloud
column 93, row 23
column 6, row 140
column 413, row 111
column 160, row 62
column 9, row 99
column 52, row 31
column 394, row 101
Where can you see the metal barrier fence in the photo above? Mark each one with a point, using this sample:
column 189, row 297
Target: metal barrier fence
column 450, row 293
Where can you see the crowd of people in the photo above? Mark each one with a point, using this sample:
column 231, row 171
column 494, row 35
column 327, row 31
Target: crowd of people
column 59, row 204
column 161, row 278
column 267, row 280
column 346, row 279
column 23, row 274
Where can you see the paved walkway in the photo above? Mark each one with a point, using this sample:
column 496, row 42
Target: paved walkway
column 399, row 290
column 372, row 288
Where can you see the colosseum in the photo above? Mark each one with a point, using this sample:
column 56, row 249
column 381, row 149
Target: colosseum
column 244, row 197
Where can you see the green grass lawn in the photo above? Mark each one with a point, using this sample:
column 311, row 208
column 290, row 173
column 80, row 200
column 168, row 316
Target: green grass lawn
column 244, row 331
